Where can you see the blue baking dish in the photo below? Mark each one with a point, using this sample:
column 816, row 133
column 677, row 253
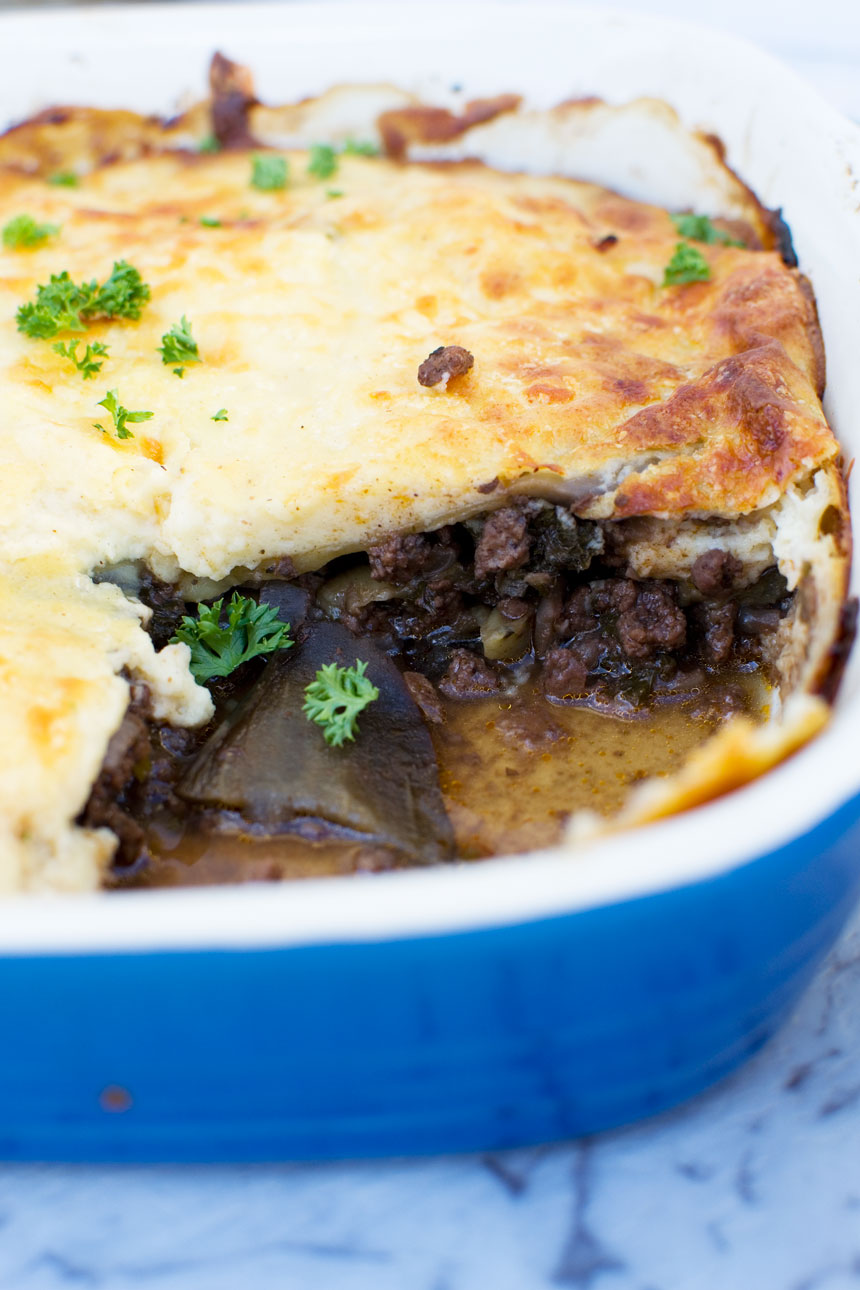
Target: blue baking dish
column 477, row 1006
column 484, row 1038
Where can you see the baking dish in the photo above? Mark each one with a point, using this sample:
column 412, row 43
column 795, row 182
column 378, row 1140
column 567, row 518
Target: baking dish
column 520, row 999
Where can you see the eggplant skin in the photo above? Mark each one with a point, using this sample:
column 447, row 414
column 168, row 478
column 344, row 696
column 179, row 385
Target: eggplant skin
column 270, row 767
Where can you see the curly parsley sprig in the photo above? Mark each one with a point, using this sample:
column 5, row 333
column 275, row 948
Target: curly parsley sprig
column 335, row 698
column 268, row 172
column 64, row 305
column 251, row 630
column 324, row 158
column 23, row 233
column 322, row 161
column 120, row 415
column 686, row 265
column 360, row 148
column 86, row 365
column 179, row 346
column 699, row 228
column 58, row 306
column 122, row 295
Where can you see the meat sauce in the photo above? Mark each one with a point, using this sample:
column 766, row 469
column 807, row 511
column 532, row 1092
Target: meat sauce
column 522, row 676
column 511, row 771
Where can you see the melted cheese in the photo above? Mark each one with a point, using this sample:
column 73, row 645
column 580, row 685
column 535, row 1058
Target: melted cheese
column 312, row 312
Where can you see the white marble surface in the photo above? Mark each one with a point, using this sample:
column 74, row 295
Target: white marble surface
column 754, row 1187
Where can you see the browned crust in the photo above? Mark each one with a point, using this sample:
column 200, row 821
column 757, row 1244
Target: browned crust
column 233, row 96
column 781, row 236
column 833, row 668
column 760, row 300
column 813, row 332
column 764, row 438
column 835, row 524
column 83, row 138
column 774, row 231
column 227, row 77
column 78, row 139
column 409, row 125
column 766, row 431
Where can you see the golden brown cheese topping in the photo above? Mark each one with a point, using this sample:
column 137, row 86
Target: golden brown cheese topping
column 313, row 313
column 304, row 430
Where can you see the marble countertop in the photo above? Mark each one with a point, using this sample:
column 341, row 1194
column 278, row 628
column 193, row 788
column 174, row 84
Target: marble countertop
column 755, row 1186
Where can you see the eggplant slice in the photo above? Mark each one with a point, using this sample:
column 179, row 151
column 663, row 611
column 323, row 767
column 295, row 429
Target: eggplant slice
column 267, row 770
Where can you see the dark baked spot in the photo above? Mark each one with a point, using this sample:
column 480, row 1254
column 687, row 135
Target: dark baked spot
column 631, row 389
column 402, row 126
column 813, row 332
column 768, row 426
column 232, row 98
column 839, row 651
column 781, row 234
column 444, row 364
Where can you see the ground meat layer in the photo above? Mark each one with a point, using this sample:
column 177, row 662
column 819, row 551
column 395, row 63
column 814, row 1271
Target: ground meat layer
column 526, row 593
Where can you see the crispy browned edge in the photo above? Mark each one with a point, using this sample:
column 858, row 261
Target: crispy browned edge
column 835, row 522
column 108, row 135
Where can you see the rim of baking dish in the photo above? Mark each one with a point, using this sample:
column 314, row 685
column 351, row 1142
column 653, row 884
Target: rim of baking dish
column 788, row 801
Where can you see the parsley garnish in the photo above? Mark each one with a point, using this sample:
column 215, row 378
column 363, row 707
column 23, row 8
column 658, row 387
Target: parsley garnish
column 209, row 221
column 334, row 192
column 86, row 365
column 120, row 416
column 360, row 148
column 268, row 172
column 220, row 415
column 699, row 228
column 251, row 630
column 335, row 698
column 179, row 346
column 209, row 144
column 122, row 295
column 58, row 307
column 64, row 305
column 23, row 232
column 322, row 161
column 686, row 265
column 63, row 179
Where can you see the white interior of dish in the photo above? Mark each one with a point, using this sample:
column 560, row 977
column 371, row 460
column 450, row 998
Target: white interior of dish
column 795, row 152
